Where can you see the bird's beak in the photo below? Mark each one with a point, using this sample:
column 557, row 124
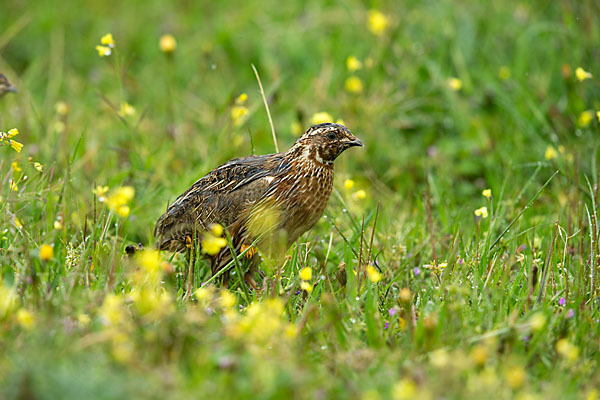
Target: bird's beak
column 12, row 89
column 353, row 141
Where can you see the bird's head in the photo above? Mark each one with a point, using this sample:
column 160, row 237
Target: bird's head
column 6, row 86
column 323, row 143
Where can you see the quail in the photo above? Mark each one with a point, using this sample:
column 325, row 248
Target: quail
column 6, row 86
column 266, row 200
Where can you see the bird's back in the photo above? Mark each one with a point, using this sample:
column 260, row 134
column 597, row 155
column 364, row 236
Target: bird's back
column 221, row 196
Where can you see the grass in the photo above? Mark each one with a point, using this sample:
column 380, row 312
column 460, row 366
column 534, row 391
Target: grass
column 413, row 296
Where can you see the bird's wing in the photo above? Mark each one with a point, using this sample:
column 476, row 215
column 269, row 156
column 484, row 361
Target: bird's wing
column 220, row 196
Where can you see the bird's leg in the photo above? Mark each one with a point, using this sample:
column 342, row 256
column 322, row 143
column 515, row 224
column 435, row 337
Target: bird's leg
column 188, row 277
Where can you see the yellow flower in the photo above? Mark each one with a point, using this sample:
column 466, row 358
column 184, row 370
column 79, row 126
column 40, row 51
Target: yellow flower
column 585, row 118
column 46, row 252
column 216, row 229
column 103, row 51
column 107, row 40
column 238, row 114
column 84, row 319
column 479, row 355
column 550, row 153
column 454, row 84
column 241, row 99
column 123, row 211
column 306, row 274
column 353, row 64
column 405, row 295
column 26, row 319
column 307, row 287
column 13, row 185
column 377, row 22
column 354, row 85
column 320, row 117
column 150, row 261
column 39, row 167
column 598, row 115
column 405, row 389
column 340, row 121
column 118, row 199
column 439, row 358
column 18, row 223
column 226, row 299
column 537, row 321
column 100, row 191
column 487, row 193
column 212, row 245
column 481, row 212
column 515, row 377
column 348, row 184
column 360, row 194
column 12, row 133
column 167, row 43
column 582, row 74
column 57, row 225
column 504, row 73
column 15, row 166
column 373, row 275
column 126, row 110
column 62, row 108
column 567, row 350
column 296, row 128
column 16, row 145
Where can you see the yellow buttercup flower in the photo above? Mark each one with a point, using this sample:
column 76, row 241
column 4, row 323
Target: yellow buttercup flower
column 515, row 377
column 100, row 191
column 26, row 319
column 354, row 85
column 585, row 118
column 405, row 389
column 12, row 133
column 377, row 22
column 373, row 275
column 307, row 287
column 118, row 199
column 567, row 350
column 216, row 229
column 321, row 117
column 481, row 212
column 238, row 114
column 167, row 43
column 212, row 244
column 13, row 185
column 550, row 153
column 16, row 145
column 348, row 184
column 62, row 108
column 454, row 84
column 581, row 74
column 15, row 166
column 487, row 193
column 241, row 99
column 360, row 195
column 353, row 64
column 306, row 274
column 107, row 40
column 103, row 51
column 39, row 167
column 340, row 121
column 46, row 252
column 537, row 321
column 126, row 110
column 598, row 115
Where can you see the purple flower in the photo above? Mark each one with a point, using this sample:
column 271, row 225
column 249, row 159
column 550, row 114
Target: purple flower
column 417, row 271
column 461, row 261
column 392, row 311
column 562, row 301
column 387, row 325
column 432, row 151
column 521, row 248
column 570, row 313
column 526, row 339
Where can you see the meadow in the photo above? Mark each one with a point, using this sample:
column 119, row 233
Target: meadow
column 458, row 256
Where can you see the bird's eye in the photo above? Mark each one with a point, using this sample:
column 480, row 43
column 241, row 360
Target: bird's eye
column 331, row 136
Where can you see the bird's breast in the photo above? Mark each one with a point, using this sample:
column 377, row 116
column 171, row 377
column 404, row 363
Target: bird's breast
column 304, row 195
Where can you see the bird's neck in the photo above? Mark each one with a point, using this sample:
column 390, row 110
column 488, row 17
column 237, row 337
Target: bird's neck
column 308, row 157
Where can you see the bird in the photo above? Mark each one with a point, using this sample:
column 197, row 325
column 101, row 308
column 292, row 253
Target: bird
column 6, row 86
column 264, row 200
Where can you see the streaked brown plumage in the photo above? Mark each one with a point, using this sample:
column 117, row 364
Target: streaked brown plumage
column 6, row 86
column 272, row 198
